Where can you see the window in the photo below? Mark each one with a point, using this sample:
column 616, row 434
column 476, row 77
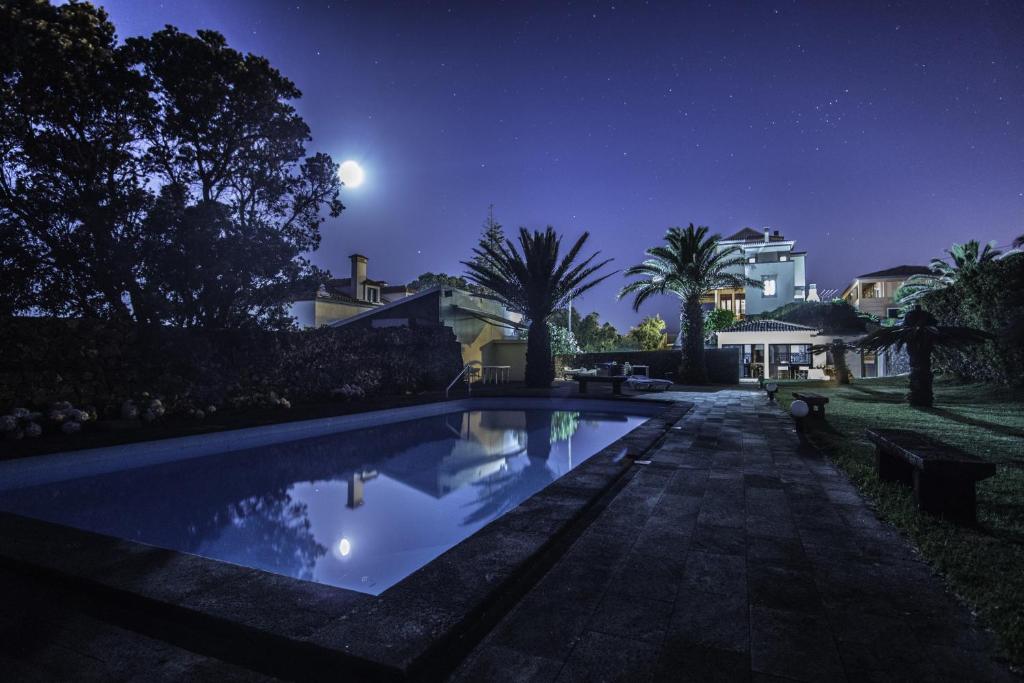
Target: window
column 892, row 313
column 783, row 258
column 372, row 295
column 769, row 286
column 752, row 259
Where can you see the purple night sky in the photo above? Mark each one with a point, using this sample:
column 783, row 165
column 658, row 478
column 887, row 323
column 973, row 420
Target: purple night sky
column 874, row 134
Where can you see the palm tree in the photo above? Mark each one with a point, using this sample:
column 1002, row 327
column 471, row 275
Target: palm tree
column 532, row 280
column 689, row 265
column 964, row 259
column 838, row 349
column 921, row 334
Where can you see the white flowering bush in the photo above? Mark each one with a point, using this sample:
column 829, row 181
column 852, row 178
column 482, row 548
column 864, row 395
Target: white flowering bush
column 349, row 392
column 22, row 422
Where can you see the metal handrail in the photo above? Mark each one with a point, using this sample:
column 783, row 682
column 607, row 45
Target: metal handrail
column 469, row 385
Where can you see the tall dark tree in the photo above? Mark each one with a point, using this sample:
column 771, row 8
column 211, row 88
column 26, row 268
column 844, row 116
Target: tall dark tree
column 535, row 280
column 227, row 139
column 921, row 334
column 102, row 144
column 72, row 191
column 493, row 233
column 690, row 265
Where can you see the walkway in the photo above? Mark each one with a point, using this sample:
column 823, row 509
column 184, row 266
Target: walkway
column 734, row 556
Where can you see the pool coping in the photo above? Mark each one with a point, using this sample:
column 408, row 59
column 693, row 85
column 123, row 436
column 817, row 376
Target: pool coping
column 413, row 630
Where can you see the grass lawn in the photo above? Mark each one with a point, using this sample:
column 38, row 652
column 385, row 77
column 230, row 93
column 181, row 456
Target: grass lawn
column 984, row 565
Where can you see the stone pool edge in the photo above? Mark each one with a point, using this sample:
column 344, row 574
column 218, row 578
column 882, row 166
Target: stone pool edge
column 284, row 626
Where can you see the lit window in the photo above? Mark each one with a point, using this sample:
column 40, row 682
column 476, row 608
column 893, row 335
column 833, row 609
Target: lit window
column 783, row 258
column 769, row 286
column 752, row 259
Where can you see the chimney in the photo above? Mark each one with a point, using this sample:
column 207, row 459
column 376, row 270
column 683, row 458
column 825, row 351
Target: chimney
column 766, row 233
column 358, row 273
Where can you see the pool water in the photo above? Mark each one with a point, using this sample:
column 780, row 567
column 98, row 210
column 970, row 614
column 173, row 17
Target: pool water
column 360, row 509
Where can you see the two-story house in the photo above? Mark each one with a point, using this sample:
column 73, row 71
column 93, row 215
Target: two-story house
column 343, row 298
column 487, row 332
column 874, row 293
column 773, row 261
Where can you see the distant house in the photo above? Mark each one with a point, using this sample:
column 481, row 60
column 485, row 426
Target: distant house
column 343, row 298
column 485, row 329
column 874, row 293
column 773, row 261
column 775, row 349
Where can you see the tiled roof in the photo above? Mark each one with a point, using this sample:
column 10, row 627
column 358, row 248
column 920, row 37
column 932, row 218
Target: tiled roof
column 746, row 234
column 899, row 271
column 767, row 326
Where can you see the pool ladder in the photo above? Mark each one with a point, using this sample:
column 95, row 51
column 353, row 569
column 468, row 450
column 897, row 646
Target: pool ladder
column 469, row 382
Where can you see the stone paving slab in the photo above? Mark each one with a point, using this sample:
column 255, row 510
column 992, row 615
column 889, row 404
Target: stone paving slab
column 45, row 636
column 736, row 556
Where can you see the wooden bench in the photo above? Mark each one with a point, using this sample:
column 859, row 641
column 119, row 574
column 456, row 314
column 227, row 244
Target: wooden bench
column 816, row 402
column 615, row 380
column 943, row 476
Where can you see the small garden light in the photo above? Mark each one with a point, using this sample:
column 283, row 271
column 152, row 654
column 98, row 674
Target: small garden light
column 799, row 410
column 771, row 389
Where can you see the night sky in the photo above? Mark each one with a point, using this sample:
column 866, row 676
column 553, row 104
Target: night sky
column 875, row 134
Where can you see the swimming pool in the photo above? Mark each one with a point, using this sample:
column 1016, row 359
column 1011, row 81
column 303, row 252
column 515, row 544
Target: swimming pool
column 359, row 507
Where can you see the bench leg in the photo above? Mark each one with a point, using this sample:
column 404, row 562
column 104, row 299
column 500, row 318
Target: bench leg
column 949, row 497
column 891, row 468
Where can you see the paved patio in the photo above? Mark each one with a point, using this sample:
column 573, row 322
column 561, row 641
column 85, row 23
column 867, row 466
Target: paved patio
column 736, row 556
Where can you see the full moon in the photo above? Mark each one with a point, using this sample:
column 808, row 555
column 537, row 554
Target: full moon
column 351, row 173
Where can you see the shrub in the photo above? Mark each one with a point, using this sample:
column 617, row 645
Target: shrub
column 988, row 299
column 124, row 368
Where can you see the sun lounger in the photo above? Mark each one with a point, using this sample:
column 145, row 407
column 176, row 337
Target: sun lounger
column 647, row 384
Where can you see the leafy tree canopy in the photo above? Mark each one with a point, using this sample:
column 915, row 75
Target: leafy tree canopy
column 164, row 180
column 832, row 317
column 428, row 280
column 590, row 332
column 649, row 334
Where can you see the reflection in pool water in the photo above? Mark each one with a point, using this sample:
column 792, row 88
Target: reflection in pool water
column 360, row 509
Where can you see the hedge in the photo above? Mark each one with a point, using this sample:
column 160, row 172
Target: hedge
column 990, row 299
column 102, row 364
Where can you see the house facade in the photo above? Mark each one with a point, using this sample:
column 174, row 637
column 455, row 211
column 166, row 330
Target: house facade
column 343, row 298
column 775, row 349
column 772, row 260
column 874, row 293
column 486, row 331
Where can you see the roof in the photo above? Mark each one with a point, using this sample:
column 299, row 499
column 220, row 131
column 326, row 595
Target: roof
column 767, row 326
column 899, row 271
column 746, row 234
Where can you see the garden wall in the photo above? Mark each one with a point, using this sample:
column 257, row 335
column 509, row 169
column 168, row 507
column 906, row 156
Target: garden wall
column 722, row 364
column 101, row 364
